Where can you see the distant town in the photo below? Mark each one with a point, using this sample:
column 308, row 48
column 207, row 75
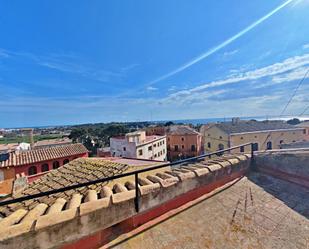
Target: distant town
column 159, row 142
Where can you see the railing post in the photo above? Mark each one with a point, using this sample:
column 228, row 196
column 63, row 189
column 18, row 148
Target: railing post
column 136, row 200
column 252, row 154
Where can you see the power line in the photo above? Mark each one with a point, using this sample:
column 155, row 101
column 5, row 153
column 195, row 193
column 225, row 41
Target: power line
column 294, row 93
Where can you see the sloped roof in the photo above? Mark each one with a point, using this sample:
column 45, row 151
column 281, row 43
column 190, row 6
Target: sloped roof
column 181, row 130
column 77, row 171
column 34, row 156
column 252, row 126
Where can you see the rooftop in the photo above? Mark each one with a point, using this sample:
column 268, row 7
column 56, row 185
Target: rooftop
column 257, row 211
column 252, row 126
column 229, row 201
column 49, row 142
column 181, row 130
column 77, row 171
column 40, row 155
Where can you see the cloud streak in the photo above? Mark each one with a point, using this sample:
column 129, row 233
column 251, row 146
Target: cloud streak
column 221, row 45
column 292, row 68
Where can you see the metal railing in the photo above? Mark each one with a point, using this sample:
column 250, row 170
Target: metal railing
column 135, row 173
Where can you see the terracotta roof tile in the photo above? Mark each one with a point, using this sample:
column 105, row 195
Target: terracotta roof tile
column 77, row 171
column 33, row 156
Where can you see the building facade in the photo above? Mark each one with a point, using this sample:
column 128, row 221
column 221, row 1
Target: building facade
column 35, row 163
column 138, row 145
column 183, row 142
column 305, row 125
column 265, row 135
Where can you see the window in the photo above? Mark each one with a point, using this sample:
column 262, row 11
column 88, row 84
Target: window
column 241, row 138
column 56, row 165
column 255, row 136
column 220, row 147
column 155, row 155
column 242, row 149
column 124, row 148
column 150, row 148
column 193, row 147
column 176, row 147
column 154, row 145
column 32, row 170
column 220, row 137
column 304, row 131
column 44, row 167
column 140, row 152
column 255, row 146
column 281, row 141
column 182, row 146
column 158, row 144
column 168, row 147
column 182, row 139
column 65, row 161
column 209, row 145
column 163, row 142
column 208, row 135
column 269, row 145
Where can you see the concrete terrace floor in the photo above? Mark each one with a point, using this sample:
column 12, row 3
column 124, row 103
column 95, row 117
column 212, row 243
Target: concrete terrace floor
column 258, row 211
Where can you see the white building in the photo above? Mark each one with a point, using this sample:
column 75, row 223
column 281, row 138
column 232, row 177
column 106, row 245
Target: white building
column 138, row 145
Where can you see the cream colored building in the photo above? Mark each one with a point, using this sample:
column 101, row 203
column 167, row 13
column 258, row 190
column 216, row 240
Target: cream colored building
column 138, row 145
column 265, row 135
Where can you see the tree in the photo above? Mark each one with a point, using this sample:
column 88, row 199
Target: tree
column 169, row 123
column 294, row 121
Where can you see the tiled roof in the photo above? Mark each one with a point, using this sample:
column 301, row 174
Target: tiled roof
column 252, row 126
column 88, row 169
column 181, row 130
column 33, row 156
column 77, row 171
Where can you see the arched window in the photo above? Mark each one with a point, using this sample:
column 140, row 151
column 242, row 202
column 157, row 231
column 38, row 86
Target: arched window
column 44, row 167
column 269, row 145
column 193, row 147
column 56, row 165
column 65, row 161
column 32, row 170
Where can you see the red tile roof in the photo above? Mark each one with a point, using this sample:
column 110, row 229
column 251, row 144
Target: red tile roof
column 34, row 156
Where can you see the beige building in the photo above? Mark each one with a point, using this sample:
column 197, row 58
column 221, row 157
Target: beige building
column 138, row 145
column 305, row 125
column 265, row 135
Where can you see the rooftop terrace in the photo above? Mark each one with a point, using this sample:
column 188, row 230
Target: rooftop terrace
column 256, row 211
column 232, row 201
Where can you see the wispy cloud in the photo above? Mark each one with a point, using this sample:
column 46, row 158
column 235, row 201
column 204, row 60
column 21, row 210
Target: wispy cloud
column 292, row 68
column 306, row 46
column 221, row 45
column 230, row 53
column 151, row 88
column 69, row 63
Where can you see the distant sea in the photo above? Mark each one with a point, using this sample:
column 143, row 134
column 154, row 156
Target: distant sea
column 190, row 121
column 226, row 119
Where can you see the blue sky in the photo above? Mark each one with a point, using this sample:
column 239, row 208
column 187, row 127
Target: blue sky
column 66, row 62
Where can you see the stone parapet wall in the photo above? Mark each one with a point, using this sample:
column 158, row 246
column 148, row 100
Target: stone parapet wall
column 290, row 164
column 68, row 221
